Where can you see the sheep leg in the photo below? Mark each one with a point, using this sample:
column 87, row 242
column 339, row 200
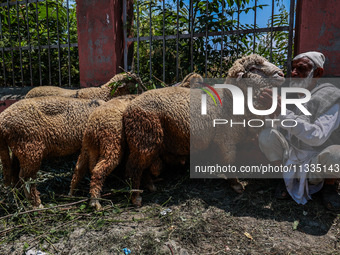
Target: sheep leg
column 135, row 167
column 147, row 181
column 156, row 167
column 79, row 171
column 145, row 146
column 228, row 155
column 112, row 152
column 31, row 192
column 236, row 185
column 155, row 170
column 15, row 170
column 30, row 157
column 6, row 162
column 136, row 199
column 98, row 176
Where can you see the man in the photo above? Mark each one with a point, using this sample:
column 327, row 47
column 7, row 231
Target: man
column 313, row 145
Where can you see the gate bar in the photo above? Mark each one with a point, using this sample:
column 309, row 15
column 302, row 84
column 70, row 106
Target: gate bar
column 39, row 53
column 49, row 47
column 20, row 51
column 290, row 37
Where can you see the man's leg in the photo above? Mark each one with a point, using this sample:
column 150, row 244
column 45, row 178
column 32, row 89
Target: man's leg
column 275, row 147
column 328, row 161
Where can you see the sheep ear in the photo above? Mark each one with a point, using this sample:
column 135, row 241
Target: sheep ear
column 239, row 76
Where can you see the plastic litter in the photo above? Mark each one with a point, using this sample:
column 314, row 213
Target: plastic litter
column 34, row 252
column 126, row 251
column 166, row 211
column 295, row 224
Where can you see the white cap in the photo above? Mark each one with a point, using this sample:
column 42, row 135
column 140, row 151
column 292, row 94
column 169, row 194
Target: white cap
column 316, row 57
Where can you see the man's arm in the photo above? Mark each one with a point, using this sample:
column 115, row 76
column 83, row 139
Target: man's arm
column 314, row 134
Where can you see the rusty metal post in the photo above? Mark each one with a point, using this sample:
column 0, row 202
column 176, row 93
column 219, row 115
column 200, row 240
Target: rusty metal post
column 100, row 40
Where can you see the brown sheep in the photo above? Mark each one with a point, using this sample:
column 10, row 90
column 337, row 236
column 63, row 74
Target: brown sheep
column 39, row 128
column 103, row 146
column 125, row 82
column 158, row 122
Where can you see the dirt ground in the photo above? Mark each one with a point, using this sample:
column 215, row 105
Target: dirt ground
column 185, row 216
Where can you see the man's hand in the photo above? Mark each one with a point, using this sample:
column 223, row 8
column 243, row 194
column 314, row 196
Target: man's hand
column 266, row 99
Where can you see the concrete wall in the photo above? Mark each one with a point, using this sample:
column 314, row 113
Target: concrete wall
column 100, row 39
column 318, row 29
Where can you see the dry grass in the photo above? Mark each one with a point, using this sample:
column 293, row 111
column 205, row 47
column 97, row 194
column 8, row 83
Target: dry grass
column 205, row 217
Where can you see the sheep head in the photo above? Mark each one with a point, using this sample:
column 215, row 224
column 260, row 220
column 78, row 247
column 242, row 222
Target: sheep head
column 124, row 84
column 190, row 81
column 257, row 72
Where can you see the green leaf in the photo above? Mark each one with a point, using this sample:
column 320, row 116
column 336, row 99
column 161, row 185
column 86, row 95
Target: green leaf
column 26, row 246
column 100, row 223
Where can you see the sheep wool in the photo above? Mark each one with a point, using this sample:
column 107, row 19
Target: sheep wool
column 158, row 122
column 126, row 83
column 103, row 146
column 39, row 128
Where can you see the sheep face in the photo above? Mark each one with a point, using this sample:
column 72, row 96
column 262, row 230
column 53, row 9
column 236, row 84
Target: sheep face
column 266, row 70
column 127, row 87
column 256, row 67
column 124, row 84
column 256, row 72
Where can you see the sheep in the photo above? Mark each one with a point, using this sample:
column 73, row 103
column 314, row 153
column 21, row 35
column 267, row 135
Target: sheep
column 39, row 128
column 125, row 82
column 103, row 146
column 158, row 122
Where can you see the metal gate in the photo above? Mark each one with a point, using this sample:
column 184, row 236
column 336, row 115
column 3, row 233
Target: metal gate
column 38, row 38
column 227, row 12
column 38, row 43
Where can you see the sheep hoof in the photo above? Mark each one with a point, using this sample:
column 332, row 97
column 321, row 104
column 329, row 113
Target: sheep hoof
column 151, row 188
column 137, row 202
column 238, row 188
column 95, row 204
column 38, row 206
column 98, row 206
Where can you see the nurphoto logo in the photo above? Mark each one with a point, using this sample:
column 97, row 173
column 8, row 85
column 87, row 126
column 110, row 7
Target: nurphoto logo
column 238, row 99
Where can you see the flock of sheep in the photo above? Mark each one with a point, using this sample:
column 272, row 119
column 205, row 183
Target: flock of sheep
column 153, row 127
